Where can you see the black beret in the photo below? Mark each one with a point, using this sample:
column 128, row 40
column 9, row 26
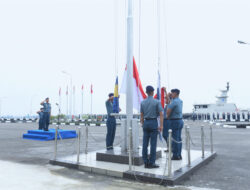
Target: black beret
column 177, row 91
column 111, row 94
column 149, row 89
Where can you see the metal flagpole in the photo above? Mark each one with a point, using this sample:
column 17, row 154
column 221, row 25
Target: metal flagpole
column 129, row 91
column 74, row 101
column 159, row 32
column 60, row 98
column 82, row 99
column 91, row 109
column 67, row 101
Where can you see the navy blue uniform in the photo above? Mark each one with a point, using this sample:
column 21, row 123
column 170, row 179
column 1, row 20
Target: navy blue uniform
column 166, row 125
column 46, row 116
column 41, row 120
column 176, row 124
column 111, row 126
column 151, row 109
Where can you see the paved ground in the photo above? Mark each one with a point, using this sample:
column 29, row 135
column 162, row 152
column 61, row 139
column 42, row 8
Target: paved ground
column 229, row 171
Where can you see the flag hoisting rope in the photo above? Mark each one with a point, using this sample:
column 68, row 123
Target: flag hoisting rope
column 116, row 94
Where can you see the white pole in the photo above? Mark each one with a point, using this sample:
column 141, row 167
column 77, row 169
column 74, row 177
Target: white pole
column 67, row 102
column 129, row 93
column 70, row 99
column 74, row 101
column 159, row 32
column 82, row 101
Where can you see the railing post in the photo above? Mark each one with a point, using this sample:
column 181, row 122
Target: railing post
column 186, row 140
column 211, row 139
column 130, row 148
column 86, row 137
column 202, row 142
column 169, row 152
column 55, row 143
column 79, row 143
column 188, row 147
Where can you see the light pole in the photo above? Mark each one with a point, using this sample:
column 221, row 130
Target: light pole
column 243, row 42
column 71, row 88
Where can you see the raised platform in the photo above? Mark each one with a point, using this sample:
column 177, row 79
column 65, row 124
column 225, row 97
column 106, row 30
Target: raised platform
column 117, row 156
column 41, row 135
column 180, row 169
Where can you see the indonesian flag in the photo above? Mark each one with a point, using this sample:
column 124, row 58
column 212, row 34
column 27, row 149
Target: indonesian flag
column 91, row 89
column 138, row 93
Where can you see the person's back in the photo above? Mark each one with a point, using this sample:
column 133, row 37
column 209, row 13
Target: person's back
column 150, row 110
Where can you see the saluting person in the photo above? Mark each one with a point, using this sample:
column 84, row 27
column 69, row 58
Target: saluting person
column 150, row 110
column 174, row 116
column 111, row 123
column 47, row 112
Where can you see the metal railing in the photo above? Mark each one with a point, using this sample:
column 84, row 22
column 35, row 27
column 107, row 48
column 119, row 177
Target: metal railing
column 188, row 141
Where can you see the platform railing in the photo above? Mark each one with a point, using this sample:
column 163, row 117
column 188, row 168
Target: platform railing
column 188, row 141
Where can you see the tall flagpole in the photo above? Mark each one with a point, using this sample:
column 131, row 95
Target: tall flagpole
column 129, row 93
column 74, row 101
column 82, row 98
column 91, row 91
column 67, row 101
column 60, row 97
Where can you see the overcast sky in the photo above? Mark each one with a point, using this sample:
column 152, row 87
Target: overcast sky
column 199, row 50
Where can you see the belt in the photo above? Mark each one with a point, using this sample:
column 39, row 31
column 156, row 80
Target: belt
column 176, row 119
column 150, row 118
column 166, row 119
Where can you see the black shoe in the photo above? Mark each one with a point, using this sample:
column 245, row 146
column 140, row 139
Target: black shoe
column 175, row 158
column 46, row 130
column 166, row 150
column 151, row 166
column 146, row 166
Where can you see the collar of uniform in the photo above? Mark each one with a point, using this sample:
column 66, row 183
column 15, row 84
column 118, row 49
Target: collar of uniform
column 150, row 97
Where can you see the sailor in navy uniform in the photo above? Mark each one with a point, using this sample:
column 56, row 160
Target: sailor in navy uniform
column 174, row 115
column 47, row 112
column 40, row 113
column 150, row 110
column 111, row 123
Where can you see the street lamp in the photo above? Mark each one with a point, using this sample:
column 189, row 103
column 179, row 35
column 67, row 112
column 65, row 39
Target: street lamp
column 70, row 106
column 243, row 43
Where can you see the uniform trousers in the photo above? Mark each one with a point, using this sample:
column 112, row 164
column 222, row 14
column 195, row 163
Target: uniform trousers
column 176, row 126
column 150, row 132
column 111, row 128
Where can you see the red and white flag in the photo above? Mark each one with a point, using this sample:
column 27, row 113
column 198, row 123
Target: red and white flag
column 91, row 89
column 138, row 93
column 82, row 87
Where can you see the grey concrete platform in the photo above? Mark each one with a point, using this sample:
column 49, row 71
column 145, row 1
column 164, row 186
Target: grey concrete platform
column 180, row 169
column 117, row 156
